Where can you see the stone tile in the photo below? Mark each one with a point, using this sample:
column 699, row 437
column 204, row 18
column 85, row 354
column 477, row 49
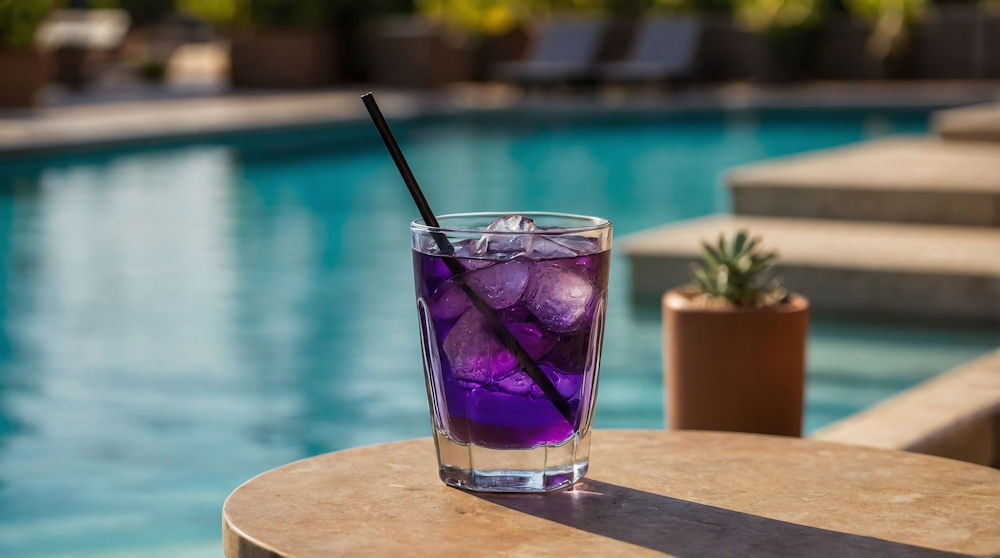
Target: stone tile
column 101, row 117
column 975, row 123
column 953, row 415
column 90, row 125
column 922, row 180
column 930, row 272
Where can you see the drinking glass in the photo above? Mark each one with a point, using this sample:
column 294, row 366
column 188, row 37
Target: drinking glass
column 511, row 310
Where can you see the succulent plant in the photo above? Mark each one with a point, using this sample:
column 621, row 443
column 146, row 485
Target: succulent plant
column 737, row 273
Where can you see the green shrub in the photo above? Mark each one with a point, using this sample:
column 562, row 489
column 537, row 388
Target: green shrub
column 221, row 12
column 261, row 13
column 19, row 19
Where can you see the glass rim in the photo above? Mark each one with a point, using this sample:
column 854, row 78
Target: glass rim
column 596, row 223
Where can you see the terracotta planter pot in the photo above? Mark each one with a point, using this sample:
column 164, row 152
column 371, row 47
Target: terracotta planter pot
column 284, row 58
column 737, row 369
column 24, row 74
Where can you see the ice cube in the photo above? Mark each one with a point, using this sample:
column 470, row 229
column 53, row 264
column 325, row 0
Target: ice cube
column 449, row 301
column 560, row 298
column 512, row 223
column 580, row 244
column 567, row 386
column 508, row 244
column 467, row 251
column 536, row 343
column 517, row 383
column 532, row 339
column 502, row 284
column 543, row 248
column 475, row 354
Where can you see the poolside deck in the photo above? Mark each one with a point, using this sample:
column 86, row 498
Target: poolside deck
column 975, row 123
column 902, row 228
column 906, row 228
column 844, row 267
column 91, row 126
column 955, row 415
column 94, row 120
column 912, row 180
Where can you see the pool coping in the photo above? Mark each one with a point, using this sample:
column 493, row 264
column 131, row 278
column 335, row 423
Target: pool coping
column 955, row 414
column 142, row 122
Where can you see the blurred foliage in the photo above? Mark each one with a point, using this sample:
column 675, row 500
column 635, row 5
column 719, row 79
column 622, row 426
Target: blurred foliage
column 889, row 20
column 790, row 30
column 767, row 16
column 608, row 6
column 147, row 11
column 910, row 11
column 289, row 13
column 221, row 12
column 737, row 272
column 19, row 19
column 278, row 13
column 487, row 17
column 497, row 17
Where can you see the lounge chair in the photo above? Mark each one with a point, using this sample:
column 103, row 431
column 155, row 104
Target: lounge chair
column 563, row 52
column 663, row 50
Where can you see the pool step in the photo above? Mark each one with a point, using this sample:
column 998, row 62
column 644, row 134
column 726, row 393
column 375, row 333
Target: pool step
column 973, row 123
column 926, row 272
column 909, row 180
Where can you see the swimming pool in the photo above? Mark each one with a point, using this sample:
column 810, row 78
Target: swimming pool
column 179, row 318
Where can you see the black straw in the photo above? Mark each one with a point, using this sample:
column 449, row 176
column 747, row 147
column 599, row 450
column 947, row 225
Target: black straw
column 397, row 156
column 503, row 334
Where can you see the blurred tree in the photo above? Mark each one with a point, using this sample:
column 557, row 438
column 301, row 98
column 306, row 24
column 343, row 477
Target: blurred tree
column 479, row 17
column 19, row 19
column 219, row 12
column 889, row 21
column 775, row 15
column 790, row 30
column 290, row 13
column 498, row 17
column 618, row 7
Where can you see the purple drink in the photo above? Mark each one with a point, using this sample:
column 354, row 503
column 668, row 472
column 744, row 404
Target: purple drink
column 541, row 287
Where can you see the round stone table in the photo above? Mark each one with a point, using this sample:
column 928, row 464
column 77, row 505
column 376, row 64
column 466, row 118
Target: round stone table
column 648, row 492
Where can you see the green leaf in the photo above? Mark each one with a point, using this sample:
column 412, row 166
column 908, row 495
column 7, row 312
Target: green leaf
column 712, row 257
column 739, row 242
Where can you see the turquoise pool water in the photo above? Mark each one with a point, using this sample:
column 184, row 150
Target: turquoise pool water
column 179, row 318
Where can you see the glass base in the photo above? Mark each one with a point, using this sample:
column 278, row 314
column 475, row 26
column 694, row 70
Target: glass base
column 539, row 469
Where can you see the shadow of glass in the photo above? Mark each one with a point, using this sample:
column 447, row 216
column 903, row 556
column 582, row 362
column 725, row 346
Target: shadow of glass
column 685, row 528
